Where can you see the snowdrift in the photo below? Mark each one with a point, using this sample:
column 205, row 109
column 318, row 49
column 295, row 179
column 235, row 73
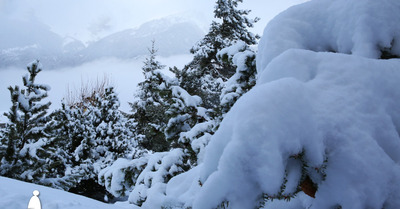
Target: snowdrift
column 16, row 194
column 325, row 107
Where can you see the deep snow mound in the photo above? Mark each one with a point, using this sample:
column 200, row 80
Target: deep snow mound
column 325, row 111
column 338, row 108
column 365, row 28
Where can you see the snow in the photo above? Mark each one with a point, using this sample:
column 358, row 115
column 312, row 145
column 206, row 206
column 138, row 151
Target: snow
column 173, row 37
column 16, row 195
column 323, row 101
column 348, row 113
column 325, row 107
column 143, row 178
column 361, row 28
column 3, row 119
column 190, row 101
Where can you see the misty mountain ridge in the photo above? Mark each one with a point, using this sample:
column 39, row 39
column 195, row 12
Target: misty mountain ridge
column 33, row 40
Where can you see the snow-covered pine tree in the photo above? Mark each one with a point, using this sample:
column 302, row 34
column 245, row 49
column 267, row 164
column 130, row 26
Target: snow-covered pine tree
column 149, row 107
column 231, row 25
column 242, row 58
column 169, row 110
column 205, row 74
column 73, row 127
column 25, row 133
column 183, row 113
column 113, row 139
column 3, row 146
column 84, row 160
column 61, row 138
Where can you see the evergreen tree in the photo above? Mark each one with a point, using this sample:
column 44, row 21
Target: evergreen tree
column 242, row 58
column 149, row 107
column 232, row 26
column 73, row 135
column 26, row 136
column 205, row 74
column 113, row 139
column 94, row 134
column 183, row 113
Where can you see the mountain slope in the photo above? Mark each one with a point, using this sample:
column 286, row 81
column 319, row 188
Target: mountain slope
column 170, row 38
column 26, row 40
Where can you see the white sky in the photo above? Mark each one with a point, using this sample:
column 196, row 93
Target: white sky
column 90, row 19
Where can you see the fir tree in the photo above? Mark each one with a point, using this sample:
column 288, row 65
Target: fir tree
column 183, row 113
column 112, row 139
column 231, row 25
column 149, row 107
column 205, row 74
column 95, row 134
column 242, row 58
column 26, row 136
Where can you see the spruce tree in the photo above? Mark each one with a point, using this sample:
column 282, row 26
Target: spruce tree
column 96, row 135
column 26, row 136
column 183, row 113
column 205, row 74
column 242, row 58
column 231, row 25
column 113, row 138
column 149, row 107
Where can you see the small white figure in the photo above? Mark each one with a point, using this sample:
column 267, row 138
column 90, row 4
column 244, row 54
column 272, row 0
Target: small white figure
column 34, row 203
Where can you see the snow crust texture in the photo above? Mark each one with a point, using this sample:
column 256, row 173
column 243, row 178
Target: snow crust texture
column 322, row 94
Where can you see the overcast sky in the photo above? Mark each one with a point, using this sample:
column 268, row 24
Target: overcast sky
column 91, row 19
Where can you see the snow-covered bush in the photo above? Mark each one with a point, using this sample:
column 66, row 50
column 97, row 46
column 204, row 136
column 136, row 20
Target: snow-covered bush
column 320, row 122
column 87, row 137
column 143, row 178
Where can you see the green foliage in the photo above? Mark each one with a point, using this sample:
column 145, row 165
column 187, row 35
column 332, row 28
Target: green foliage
column 26, row 155
column 314, row 175
column 150, row 106
column 245, row 77
column 223, row 205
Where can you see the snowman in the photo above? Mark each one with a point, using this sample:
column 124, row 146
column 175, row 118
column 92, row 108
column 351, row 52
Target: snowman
column 34, row 203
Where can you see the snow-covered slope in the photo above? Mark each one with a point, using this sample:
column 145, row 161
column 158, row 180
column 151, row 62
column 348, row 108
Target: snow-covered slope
column 325, row 108
column 26, row 40
column 16, row 195
column 171, row 37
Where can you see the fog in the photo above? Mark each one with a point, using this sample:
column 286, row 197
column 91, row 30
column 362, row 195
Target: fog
column 90, row 20
column 123, row 74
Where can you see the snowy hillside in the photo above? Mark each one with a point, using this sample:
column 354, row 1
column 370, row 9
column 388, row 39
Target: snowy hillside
column 173, row 36
column 16, row 194
column 22, row 44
